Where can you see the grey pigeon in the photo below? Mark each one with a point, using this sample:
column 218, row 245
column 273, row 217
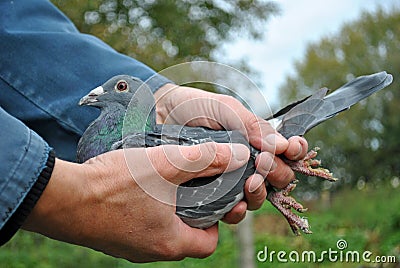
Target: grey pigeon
column 201, row 203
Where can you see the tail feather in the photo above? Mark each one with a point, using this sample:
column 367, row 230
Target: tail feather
column 320, row 107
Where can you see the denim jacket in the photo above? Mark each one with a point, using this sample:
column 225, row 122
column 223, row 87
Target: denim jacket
column 46, row 66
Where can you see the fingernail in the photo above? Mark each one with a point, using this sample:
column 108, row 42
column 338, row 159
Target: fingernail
column 274, row 139
column 270, row 167
column 268, row 164
column 273, row 166
column 299, row 151
column 240, row 152
column 255, row 185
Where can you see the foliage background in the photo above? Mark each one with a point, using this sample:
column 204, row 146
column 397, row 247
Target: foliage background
column 361, row 147
column 164, row 33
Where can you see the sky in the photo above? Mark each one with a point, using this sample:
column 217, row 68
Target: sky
column 287, row 35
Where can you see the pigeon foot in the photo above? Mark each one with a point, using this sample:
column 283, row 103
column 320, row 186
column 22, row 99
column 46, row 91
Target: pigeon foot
column 310, row 166
column 284, row 203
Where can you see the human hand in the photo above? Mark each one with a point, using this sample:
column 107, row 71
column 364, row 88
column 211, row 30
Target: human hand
column 194, row 107
column 98, row 205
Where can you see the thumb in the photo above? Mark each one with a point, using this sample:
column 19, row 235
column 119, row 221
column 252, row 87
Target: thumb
column 179, row 164
column 159, row 170
column 198, row 243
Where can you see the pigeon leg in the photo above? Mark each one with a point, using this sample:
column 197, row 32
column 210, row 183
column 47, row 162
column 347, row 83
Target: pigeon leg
column 310, row 166
column 284, row 203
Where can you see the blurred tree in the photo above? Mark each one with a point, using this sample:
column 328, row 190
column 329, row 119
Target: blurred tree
column 362, row 145
column 167, row 32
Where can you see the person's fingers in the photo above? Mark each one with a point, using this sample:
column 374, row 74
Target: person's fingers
column 195, row 107
column 263, row 137
column 237, row 213
column 297, row 148
column 255, row 191
column 182, row 163
column 198, row 243
column 259, row 132
column 265, row 162
column 281, row 175
column 278, row 173
column 255, row 194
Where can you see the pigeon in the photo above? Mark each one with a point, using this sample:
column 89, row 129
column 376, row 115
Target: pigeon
column 128, row 120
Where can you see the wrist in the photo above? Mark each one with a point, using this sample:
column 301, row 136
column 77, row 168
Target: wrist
column 53, row 214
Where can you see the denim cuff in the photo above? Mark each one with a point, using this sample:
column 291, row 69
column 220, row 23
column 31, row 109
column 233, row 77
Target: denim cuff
column 156, row 81
column 22, row 212
column 24, row 156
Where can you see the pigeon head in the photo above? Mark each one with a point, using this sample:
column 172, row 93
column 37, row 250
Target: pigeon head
column 127, row 106
column 118, row 90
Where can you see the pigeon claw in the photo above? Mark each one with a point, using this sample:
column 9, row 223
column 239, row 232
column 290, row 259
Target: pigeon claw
column 310, row 166
column 284, row 203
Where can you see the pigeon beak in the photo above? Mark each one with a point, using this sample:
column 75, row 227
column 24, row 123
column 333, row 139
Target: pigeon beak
column 92, row 96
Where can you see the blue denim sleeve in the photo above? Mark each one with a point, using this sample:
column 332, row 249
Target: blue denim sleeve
column 23, row 156
column 47, row 65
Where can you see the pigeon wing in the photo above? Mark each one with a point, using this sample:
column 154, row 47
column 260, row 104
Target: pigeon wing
column 320, row 107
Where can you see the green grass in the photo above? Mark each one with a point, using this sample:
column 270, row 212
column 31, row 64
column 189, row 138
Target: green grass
column 367, row 220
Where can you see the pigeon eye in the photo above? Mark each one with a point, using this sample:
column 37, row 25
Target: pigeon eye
column 121, row 86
